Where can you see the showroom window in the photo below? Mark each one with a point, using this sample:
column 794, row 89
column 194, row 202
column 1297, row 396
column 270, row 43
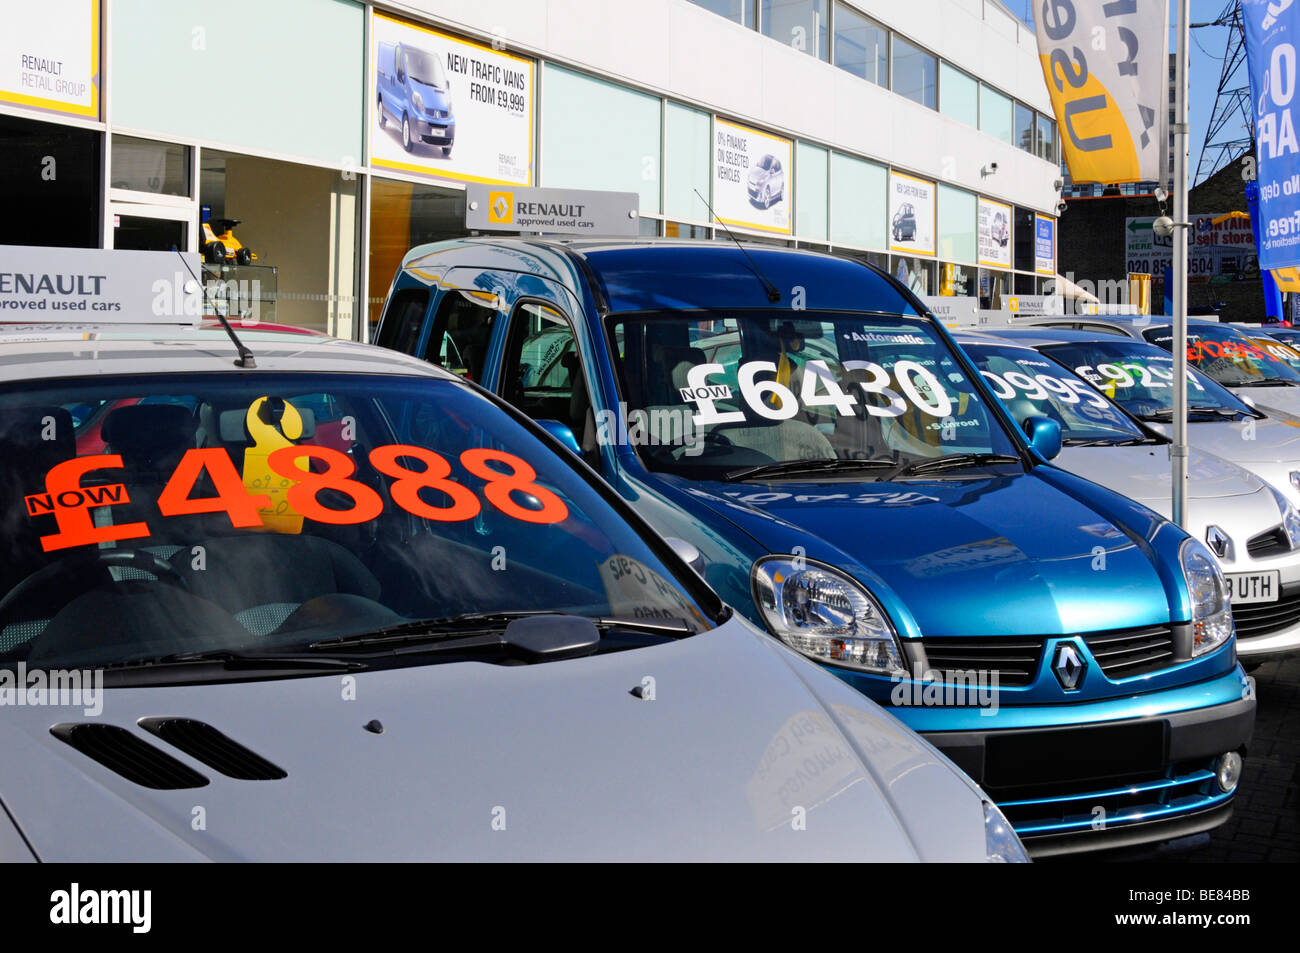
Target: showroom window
column 812, row 183
column 956, row 280
column 802, row 24
column 49, row 184
column 684, row 230
column 286, row 236
column 958, row 95
column 858, row 211
column 1023, row 240
column 142, row 165
column 1045, row 146
column 916, row 273
column 914, row 73
column 992, row 286
column 861, row 46
column 995, row 113
column 686, row 163
column 598, row 135
column 403, row 215
column 738, row 11
column 1024, row 131
column 957, row 224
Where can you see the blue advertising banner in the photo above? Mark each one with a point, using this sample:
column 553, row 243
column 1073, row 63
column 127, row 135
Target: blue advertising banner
column 1044, row 245
column 1272, row 28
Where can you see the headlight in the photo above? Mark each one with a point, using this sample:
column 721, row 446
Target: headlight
column 1295, row 479
column 418, row 101
column 1001, row 845
column 1211, row 611
column 825, row 614
column 1290, row 518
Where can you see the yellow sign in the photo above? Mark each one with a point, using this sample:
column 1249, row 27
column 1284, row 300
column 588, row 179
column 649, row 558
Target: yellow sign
column 258, row 475
column 1013, row 304
column 501, row 207
column 49, row 57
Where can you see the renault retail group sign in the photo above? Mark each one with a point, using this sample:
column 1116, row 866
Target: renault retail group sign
column 49, row 56
column 552, row 211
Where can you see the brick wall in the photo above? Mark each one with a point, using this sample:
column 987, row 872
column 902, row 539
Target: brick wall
column 1091, row 243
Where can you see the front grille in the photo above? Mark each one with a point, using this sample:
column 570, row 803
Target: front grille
column 1014, row 659
column 1274, row 542
column 1261, row 618
column 1131, row 652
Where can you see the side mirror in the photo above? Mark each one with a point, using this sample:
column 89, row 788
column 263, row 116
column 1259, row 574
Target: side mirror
column 1044, row 436
column 561, row 432
column 1248, row 401
column 687, row 552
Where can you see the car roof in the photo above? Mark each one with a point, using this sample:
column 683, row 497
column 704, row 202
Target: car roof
column 1035, row 336
column 46, row 351
column 628, row 275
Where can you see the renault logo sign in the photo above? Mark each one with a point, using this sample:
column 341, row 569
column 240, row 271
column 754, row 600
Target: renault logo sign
column 1218, row 540
column 500, row 207
column 1069, row 666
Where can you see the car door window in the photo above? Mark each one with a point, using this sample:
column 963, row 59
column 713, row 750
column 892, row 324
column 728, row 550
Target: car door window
column 462, row 331
column 542, row 372
column 404, row 319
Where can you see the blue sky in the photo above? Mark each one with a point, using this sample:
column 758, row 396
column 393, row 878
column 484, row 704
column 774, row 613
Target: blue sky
column 1206, row 60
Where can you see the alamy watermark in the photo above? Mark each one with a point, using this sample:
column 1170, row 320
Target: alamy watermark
column 62, row 688
column 655, row 427
column 972, row 688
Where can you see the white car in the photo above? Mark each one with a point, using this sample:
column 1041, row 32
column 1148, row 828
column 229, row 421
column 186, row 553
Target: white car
column 1253, row 529
column 356, row 608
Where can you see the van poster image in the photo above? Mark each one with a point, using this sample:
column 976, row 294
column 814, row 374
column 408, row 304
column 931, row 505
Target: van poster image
column 447, row 107
column 994, row 234
column 751, row 178
column 49, row 56
column 911, row 214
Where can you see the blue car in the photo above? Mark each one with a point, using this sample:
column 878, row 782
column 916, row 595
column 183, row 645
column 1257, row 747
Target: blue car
column 853, row 486
column 415, row 95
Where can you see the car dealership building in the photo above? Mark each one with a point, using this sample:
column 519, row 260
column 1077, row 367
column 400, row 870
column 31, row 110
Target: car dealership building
column 304, row 145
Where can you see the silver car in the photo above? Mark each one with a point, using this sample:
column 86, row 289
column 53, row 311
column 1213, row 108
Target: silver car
column 1223, row 432
column 1225, row 353
column 347, row 606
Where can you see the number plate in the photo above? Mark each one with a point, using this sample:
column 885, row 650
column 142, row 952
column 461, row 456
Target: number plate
column 1248, row 587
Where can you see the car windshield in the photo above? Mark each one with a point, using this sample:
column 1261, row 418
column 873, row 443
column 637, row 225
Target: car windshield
column 1030, row 384
column 1286, row 353
column 712, row 394
column 425, row 68
column 1139, row 377
column 181, row 513
column 1227, row 356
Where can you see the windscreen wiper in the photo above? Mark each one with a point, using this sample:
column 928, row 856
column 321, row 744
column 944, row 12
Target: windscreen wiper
column 953, row 461
column 217, row 664
column 490, row 627
column 792, row 467
column 1110, row 441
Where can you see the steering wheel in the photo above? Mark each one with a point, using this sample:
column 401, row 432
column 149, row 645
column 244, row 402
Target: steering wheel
column 718, row 438
column 84, row 570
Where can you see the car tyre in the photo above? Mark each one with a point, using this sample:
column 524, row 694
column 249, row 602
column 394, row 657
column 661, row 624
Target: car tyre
column 380, row 105
column 214, row 253
column 446, row 152
column 243, row 257
column 767, row 196
column 406, row 134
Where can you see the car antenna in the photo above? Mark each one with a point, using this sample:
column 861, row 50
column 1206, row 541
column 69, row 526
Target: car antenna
column 773, row 293
column 245, row 358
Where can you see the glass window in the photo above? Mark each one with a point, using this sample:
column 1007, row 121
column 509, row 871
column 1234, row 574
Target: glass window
column 683, row 230
column 914, row 73
column 259, row 89
column 916, row 273
column 958, row 280
column 142, row 165
column 738, row 11
column 995, row 113
column 686, row 166
column 404, row 320
column 815, row 386
column 992, row 286
column 858, row 202
column 802, row 24
column 861, row 46
column 958, row 95
column 811, row 190
column 286, row 234
column 403, row 215
column 597, row 135
column 1046, row 146
column 1024, row 131
column 49, row 184
column 1022, row 234
column 284, row 570
column 462, row 330
column 957, row 224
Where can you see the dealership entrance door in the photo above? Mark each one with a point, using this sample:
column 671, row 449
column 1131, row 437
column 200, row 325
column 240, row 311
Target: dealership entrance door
column 149, row 228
